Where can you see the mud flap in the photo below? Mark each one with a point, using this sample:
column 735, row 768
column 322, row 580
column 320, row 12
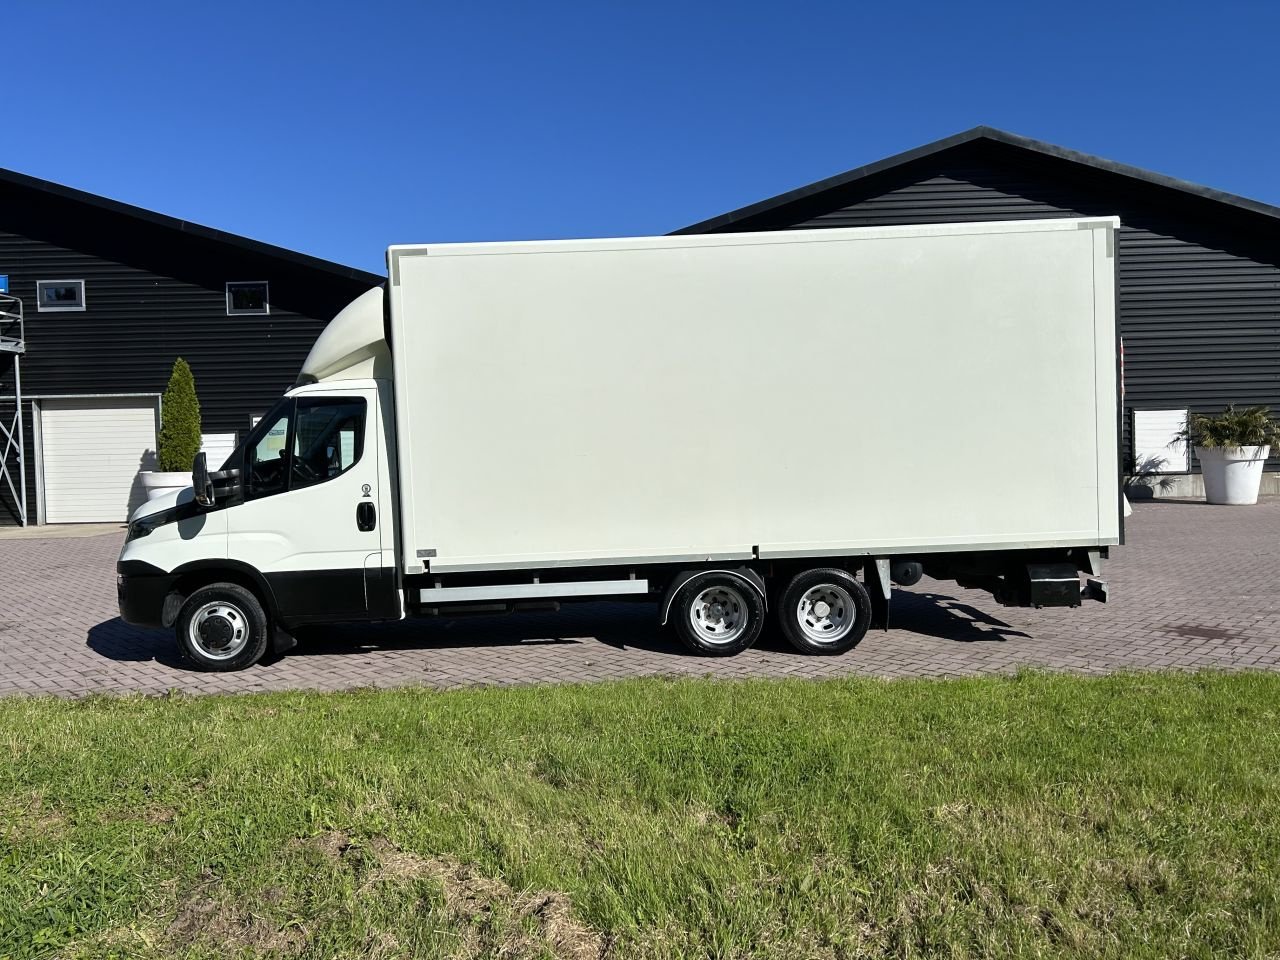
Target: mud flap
column 876, row 573
column 282, row 640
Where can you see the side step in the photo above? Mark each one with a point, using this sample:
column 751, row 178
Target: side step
column 522, row 591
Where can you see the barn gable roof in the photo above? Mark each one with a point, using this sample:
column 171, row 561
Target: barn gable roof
column 173, row 227
column 775, row 208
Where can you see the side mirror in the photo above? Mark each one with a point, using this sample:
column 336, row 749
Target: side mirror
column 200, row 481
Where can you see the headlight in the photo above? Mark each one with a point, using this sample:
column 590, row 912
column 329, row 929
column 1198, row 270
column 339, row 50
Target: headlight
column 144, row 525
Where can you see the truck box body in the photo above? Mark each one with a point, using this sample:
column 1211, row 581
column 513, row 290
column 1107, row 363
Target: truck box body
column 888, row 390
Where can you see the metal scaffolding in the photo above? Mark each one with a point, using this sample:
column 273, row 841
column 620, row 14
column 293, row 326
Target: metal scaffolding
column 13, row 473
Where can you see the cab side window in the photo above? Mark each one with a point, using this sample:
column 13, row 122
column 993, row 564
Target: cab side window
column 328, row 439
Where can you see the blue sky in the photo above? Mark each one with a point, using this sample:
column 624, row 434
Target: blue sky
column 339, row 128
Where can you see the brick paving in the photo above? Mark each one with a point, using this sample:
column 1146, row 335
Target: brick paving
column 1196, row 586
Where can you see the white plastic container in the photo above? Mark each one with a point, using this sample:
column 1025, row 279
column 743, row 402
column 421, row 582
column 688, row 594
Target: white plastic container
column 1232, row 475
column 158, row 482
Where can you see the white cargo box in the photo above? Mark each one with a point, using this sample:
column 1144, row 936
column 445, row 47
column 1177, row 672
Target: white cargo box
column 809, row 393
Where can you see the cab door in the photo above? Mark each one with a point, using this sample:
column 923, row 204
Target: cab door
column 312, row 510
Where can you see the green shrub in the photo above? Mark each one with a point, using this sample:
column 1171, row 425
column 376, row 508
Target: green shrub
column 1250, row 427
column 179, row 440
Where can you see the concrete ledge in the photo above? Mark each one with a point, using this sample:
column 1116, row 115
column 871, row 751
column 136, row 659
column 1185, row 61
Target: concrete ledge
column 60, row 531
column 1189, row 486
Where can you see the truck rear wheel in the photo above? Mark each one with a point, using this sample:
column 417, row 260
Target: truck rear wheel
column 717, row 614
column 222, row 627
column 824, row 611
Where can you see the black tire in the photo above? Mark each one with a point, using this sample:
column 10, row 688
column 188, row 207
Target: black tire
column 847, row 621
column 222, row 616
column 727, row 620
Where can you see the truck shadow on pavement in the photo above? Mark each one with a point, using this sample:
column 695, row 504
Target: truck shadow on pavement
column 618, row 625
column 116, row 640
column 937, row 615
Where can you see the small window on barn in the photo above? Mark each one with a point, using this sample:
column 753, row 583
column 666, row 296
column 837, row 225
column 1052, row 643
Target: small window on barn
column 59, row 295
column 247, row 297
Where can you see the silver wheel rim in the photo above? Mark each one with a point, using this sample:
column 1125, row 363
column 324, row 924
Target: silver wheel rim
column 719, row 615
column 219, row 630
column 826, row 613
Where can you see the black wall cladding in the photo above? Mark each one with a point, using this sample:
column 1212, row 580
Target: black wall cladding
column 154, row 292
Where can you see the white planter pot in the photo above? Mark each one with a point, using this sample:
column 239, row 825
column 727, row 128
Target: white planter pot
column 156, row 482
column 1232, row 474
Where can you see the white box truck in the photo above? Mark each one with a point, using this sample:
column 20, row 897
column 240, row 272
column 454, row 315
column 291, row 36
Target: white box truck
column 722, row 425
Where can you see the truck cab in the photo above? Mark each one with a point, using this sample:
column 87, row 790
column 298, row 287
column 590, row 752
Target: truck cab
column 297, row 527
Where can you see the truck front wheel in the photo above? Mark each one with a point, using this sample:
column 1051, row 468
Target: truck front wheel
column 717, row 614
column 824, row 611
column 222, row 627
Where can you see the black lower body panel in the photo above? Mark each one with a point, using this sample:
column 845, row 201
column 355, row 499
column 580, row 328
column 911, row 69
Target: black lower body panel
column 333, row 596
column 140, row 591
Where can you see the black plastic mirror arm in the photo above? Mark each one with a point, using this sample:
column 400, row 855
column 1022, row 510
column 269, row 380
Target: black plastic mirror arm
column 226, row 486
column 200, row 482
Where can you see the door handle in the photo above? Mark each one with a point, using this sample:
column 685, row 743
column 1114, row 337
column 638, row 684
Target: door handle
column 366, row 516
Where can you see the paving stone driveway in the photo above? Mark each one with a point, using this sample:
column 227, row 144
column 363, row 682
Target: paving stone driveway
column 1196, row 586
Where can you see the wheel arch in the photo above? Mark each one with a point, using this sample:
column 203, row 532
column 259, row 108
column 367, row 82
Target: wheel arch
column 745, row 574
column 200, row 573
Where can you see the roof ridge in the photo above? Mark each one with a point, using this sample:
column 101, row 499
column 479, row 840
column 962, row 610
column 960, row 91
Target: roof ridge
column 995, row 135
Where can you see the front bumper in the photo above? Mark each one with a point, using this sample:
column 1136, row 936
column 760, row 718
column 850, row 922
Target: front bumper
column 141, row 590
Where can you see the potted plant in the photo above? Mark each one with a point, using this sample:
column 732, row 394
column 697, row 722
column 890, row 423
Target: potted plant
column 1232, row 447
column 179, row 439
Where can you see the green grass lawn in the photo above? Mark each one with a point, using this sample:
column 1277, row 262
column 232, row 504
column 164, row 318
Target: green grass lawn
column 1130, row 816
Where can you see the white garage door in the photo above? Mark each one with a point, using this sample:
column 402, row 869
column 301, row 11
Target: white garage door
column 92, row 450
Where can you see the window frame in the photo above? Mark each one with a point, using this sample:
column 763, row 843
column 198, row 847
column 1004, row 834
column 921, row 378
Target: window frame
column 266, row 298
column 293, row 406
column 71, row 308
column 321, row 401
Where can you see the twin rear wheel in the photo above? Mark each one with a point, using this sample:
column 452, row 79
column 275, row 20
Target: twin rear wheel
column 718, row 614
column 821, row 611
column 824, row 611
